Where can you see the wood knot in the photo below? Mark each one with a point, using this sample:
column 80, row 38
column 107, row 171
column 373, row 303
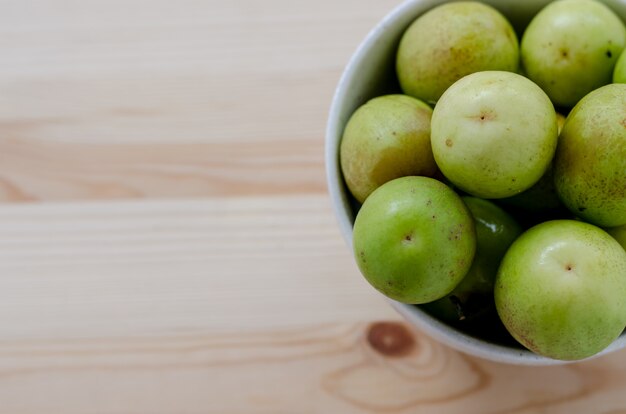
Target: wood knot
column 391, row 339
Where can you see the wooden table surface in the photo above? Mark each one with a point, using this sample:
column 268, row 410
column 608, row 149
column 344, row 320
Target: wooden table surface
column 166, row 239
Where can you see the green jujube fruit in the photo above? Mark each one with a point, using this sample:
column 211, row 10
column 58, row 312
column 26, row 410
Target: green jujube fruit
column 570, row 48
column 590, row 160
column 388, row 137
column 414, row 239
column 451, row 41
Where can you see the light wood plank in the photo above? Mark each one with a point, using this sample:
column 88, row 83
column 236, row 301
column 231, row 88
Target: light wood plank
column 42, row 171
column 149, row 98
column 233, row 305
column 313, row 369
column 84, row 270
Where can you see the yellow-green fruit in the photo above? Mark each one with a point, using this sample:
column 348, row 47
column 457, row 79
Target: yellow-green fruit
column 388, row 137
column 561, row 289
column 590, row 159
column 494, row 134
column 414, row 239
column 570, row 48
column 451, row 41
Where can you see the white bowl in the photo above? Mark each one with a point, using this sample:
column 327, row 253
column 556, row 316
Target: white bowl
column 370, row 73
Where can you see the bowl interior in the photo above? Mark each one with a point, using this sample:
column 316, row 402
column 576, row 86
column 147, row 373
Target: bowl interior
column 371, row 73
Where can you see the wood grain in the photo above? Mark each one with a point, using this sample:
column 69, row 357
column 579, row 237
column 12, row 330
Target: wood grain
column 324, row 368
column 236, row 305
column 42, row 171
column 120, row 268
column 190, row 262
column 144, row 98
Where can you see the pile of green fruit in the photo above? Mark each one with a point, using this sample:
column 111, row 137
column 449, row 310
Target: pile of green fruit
column 481, row 203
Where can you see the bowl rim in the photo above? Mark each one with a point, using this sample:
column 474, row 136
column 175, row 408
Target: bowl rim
column 340, row 205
